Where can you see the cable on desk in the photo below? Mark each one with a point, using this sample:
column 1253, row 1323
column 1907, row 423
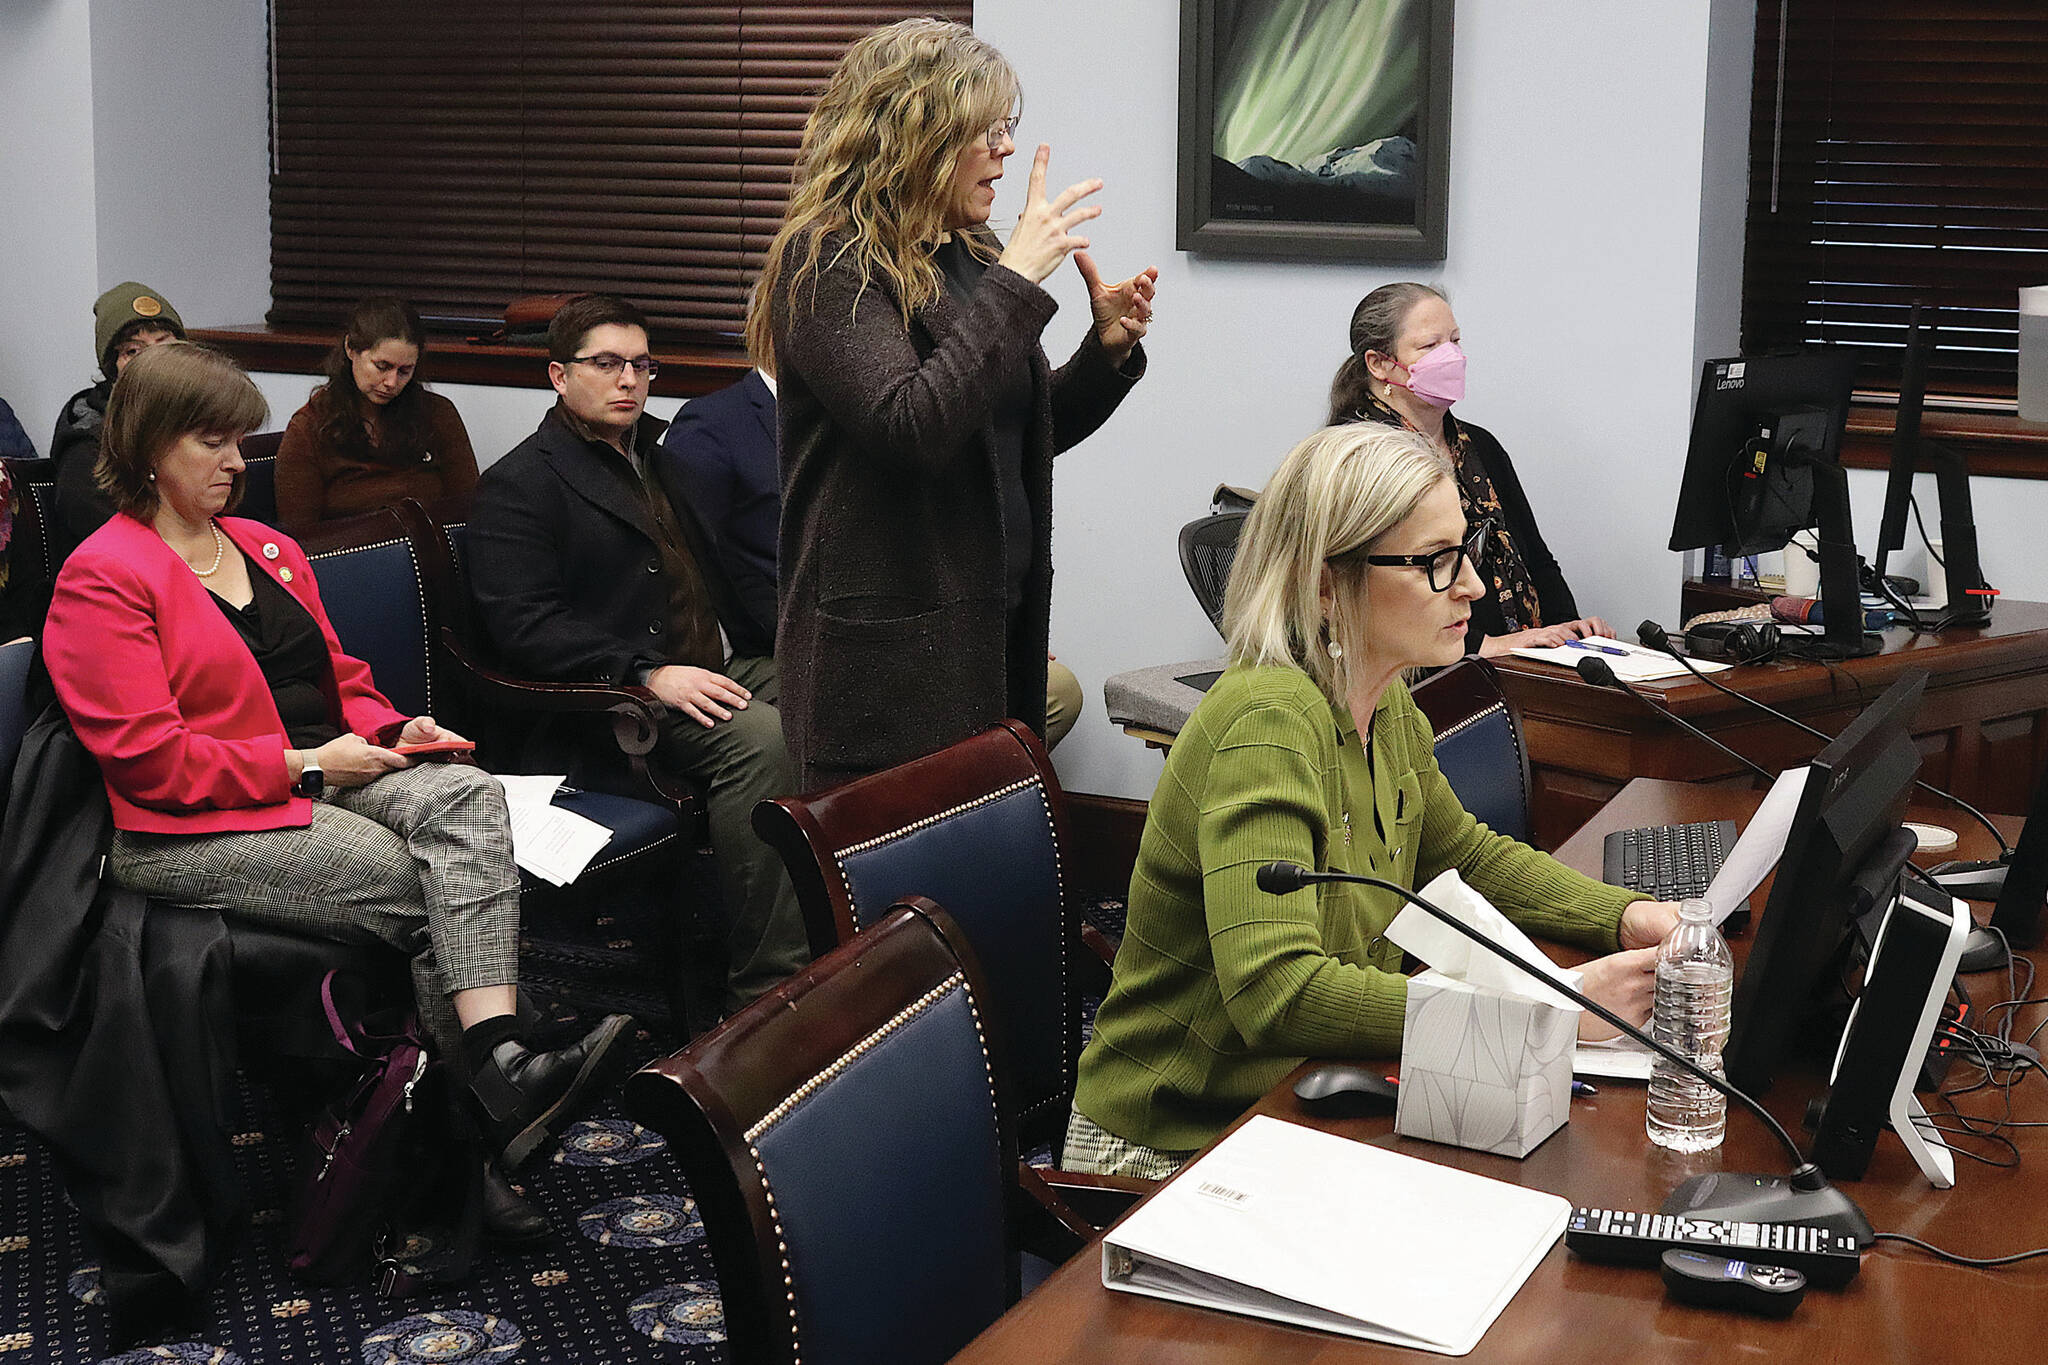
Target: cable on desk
column 1954, row 1259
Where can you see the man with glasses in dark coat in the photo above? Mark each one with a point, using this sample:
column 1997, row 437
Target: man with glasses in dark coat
column 587, row 564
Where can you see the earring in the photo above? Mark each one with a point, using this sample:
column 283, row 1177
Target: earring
column 152, row 476
column 1336, row 650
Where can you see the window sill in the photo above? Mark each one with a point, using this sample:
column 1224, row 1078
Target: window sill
column 1994, row 445
column 452, row 360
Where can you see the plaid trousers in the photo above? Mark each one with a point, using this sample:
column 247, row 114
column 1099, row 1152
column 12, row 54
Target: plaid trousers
column 420, row 859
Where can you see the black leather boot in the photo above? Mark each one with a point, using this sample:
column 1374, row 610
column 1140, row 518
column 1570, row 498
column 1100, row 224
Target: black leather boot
column 508, row 1216
column 526, row 1097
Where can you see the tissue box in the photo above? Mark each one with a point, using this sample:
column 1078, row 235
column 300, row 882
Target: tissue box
column 1483, row 1069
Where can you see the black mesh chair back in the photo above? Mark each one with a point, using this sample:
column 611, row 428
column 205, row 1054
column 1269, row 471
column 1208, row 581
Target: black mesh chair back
column 1208, row 547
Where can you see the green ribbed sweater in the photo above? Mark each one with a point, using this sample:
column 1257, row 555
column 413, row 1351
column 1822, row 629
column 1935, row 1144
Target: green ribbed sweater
column 1221, row 989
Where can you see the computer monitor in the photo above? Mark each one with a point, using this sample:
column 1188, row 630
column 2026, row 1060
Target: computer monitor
column 2018, row 912
column 1764, row 463
column 1969, row 597
column 1854, row 799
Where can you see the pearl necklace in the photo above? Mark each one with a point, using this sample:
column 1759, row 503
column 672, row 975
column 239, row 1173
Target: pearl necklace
column 220, row 549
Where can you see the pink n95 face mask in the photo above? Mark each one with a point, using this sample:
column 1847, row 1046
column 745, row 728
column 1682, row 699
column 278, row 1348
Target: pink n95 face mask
column 1438, row 379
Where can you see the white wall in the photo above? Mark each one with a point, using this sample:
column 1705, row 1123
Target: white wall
column 1598, row 157
column 181, row 134
column 48, row 277
column 1573, row 263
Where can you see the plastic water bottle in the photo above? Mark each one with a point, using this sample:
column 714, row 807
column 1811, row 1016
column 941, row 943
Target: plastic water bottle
column 1695, row 980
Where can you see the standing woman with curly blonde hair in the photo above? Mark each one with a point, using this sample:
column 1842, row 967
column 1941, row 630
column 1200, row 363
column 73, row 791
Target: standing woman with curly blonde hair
column 919, row 416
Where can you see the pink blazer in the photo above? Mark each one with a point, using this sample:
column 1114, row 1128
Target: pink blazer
column 164, row 693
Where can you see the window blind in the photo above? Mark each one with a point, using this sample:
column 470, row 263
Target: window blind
column 1898, row 152
column 463, row 153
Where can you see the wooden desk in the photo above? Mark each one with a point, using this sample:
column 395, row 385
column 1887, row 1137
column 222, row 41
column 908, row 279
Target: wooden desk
column 1904, row 1307
column 1980, row 727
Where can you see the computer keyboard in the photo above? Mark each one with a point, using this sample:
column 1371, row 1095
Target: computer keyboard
column 1668, row 862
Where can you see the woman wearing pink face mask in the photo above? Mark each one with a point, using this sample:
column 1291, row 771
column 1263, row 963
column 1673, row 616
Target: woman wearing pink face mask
column 1406, row 370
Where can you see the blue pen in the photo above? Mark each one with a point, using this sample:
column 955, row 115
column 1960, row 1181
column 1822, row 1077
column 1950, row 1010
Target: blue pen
column 1604, row 649
column 1581, row 1088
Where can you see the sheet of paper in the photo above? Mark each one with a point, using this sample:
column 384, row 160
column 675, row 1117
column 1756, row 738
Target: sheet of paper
column 527, row 789
column 1761, row 844
column 551, row 843
column 1632, row 663
column 1617, row 1059
column 1296, row 1225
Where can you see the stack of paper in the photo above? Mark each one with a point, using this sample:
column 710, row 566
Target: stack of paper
column 551, row 843
column 1631, row 662
column 1299, row 1226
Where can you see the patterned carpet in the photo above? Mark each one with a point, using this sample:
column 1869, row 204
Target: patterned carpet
column 626, row 1277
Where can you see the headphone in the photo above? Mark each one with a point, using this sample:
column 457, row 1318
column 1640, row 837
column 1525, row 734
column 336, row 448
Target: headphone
column 1733, row 642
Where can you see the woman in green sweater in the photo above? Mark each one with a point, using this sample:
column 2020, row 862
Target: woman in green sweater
column 1355, row 567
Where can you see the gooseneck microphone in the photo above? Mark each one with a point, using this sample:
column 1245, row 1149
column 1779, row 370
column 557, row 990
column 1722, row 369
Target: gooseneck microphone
column 1596, row 671
column 1655, row 636
column 1810, row 1199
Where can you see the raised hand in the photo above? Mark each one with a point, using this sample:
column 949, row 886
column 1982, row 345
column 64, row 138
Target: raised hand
column 1044, row 236
column 1123, row 310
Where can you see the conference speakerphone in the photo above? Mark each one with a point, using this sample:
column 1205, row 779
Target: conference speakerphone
column 1621, row 1237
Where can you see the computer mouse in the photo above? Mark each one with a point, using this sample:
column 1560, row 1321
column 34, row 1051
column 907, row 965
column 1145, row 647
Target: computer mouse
column 1342, row 1090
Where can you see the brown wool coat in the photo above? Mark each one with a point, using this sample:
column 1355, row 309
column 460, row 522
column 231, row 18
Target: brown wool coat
column 893, row 636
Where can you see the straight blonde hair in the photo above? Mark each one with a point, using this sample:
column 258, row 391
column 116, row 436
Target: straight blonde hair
column 1332, row 497
column 876, row 165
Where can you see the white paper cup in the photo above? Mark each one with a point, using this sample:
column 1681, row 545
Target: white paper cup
column 1802, row 570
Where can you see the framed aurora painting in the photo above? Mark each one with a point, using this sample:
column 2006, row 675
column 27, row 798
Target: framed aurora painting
column 1315, row 128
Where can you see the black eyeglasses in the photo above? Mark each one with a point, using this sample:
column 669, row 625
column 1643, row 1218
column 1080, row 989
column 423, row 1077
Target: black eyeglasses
column 1443, row 566
column 609, row 365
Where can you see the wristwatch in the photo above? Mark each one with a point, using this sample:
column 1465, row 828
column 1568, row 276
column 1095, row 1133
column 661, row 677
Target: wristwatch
column 311, row 780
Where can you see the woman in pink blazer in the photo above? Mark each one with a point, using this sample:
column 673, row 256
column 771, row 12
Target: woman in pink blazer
column 247, row 758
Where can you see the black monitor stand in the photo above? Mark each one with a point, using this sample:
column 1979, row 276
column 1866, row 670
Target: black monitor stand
column 1969, row 597
column 1841, row 588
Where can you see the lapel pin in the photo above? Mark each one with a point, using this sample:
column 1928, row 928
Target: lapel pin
column 270, row 549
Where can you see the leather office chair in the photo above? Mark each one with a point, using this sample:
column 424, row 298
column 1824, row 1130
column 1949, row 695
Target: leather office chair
column 584, row 939
column 1208, row 547
column 15, row 658
column 1479, row 743
column 847, row 1142
column 30, row 574
column 259, row 479
column 978, row 827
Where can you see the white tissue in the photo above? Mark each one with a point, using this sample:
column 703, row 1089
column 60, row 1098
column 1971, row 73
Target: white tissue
column 1459, row 958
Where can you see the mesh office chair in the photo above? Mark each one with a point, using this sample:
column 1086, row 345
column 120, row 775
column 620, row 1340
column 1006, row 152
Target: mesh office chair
column 1208, row 546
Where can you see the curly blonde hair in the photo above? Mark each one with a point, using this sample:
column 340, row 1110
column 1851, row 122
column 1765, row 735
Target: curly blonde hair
column 1332, row 497
column 877, row 164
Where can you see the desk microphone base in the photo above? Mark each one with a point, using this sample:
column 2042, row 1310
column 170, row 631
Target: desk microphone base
column 1739, row 1197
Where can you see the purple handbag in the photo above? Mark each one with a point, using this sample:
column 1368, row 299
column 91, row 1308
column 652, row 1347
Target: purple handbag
column 362, row 1157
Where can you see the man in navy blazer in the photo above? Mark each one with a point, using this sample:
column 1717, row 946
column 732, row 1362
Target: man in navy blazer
column 720, row 451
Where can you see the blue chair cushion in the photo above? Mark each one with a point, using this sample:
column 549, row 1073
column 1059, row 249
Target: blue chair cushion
column 995, row 868
column 374, row 597
column 894, row 1223
column 636, row 826
column 1481, row 761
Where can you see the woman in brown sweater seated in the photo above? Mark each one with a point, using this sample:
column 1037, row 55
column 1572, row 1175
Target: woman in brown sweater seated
column 370, row 435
